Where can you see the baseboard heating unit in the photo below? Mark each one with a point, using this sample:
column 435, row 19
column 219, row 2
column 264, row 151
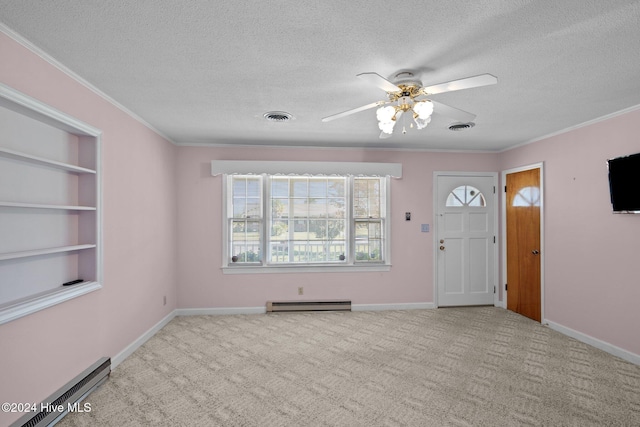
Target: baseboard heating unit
column 322, row 305
column 67, row 399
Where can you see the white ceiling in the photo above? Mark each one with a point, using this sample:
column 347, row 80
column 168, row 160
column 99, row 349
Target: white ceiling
column 205, row 72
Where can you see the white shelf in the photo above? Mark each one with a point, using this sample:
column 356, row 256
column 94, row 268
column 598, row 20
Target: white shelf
column 47, row 251
column 41, row 206
column 33, row 134
column 28, row 305
column 12, row 154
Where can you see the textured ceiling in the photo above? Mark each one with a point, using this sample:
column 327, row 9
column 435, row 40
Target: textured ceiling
column 205, row 72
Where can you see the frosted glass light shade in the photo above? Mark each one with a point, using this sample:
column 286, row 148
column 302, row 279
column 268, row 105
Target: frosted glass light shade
column 422, row 123
column 385, row 114
column 387, row 127
column 423, row 109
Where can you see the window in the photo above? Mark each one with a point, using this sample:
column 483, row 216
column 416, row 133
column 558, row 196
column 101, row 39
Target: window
column 295, row 220
column 527, row 196
column 465, row 195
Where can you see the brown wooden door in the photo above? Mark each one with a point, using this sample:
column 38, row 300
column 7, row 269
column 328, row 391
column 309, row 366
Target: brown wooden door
column 523, row 243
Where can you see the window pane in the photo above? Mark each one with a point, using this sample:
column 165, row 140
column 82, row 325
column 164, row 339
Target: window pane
column 336, row 230
column 359, row 188
column 461, row 193
column 317, row 229
column 279, row 251
column 239, row 208
column 477, row 200
column 300, row 187
column 253, row 207
column 280, row 208
column 279, row 230
column 368, row 245
column 300, row 226
column 360, row 208
column 336, row 208
column 374, row 207
column 246, row 196
column 253, row 187
column 375, row 250
column 280, row 187
column 336, row 186
column 375, row 231
column 367, row 194
column 245, row 241
column 239, row 187
column 318, row 187
column 300, row 208
column 453, row 201
column 318, row 207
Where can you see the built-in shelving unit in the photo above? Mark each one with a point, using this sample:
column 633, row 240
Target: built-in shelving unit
column 50, row 206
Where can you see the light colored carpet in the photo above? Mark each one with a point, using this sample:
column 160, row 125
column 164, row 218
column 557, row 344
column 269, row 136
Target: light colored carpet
column 478, row 366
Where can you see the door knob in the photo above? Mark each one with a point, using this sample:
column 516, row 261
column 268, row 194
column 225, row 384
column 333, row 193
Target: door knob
column 442, row 248
column 535, row 252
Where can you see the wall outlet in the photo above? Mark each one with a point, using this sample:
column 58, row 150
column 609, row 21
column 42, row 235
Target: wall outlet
column 164, row 300
column 300, row 290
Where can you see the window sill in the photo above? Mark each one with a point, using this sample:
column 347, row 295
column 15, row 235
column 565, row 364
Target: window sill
column 306, row 269
column 14, row 310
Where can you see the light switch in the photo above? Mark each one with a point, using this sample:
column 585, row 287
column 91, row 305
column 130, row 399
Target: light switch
column 424, row 228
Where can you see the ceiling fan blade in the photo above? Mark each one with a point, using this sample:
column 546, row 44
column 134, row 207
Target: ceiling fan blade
column 453, row 113
column 466, row 83
column 377, row 80
column 354, row 110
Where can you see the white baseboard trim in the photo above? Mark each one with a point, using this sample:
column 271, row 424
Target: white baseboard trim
column 599, row 344
column 397, row 306
column 118, row 358
column 219, row 311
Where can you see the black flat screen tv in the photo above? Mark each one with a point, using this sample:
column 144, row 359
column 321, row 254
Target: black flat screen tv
column 624, row 183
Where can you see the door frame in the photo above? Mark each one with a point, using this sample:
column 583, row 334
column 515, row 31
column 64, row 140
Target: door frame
column 496, row 278
column 503, row 240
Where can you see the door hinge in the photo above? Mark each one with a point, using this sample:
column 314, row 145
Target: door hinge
column 505, row 188
column 494, row 239
column 494, row 289
column 505, row 286
column 494, row 189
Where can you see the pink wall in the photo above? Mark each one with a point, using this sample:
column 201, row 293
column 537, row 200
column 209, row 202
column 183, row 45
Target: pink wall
column 42, row 351
column 592, row 267
column 203, row 285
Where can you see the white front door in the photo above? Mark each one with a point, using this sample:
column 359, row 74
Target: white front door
column 465, row 239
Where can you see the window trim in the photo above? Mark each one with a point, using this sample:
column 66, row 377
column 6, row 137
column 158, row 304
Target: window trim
column 350, row 266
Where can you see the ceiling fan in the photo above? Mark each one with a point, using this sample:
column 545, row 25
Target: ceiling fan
column 407, row 95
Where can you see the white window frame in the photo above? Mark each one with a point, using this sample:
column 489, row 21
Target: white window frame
column 350, row 264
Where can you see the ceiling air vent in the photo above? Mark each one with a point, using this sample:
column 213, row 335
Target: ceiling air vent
column 461, row 126
column 278, row 116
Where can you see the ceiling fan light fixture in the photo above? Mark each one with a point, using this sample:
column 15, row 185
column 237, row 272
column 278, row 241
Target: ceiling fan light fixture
column 387, row 127
column 423, row 109
column 422, row 123
column 385, row 114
